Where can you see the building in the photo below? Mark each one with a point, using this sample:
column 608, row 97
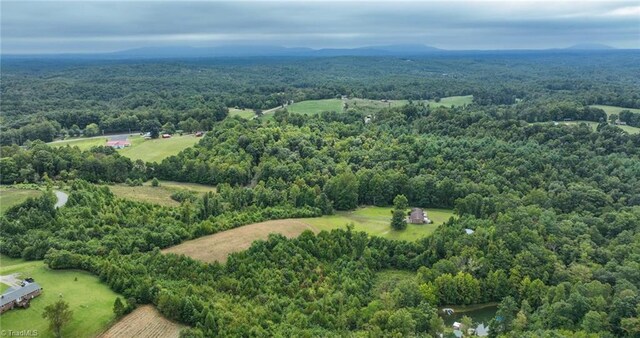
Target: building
column 418, row 216
column 166, row 135
column 198, row 134
column 19, row 296
column 118, row 144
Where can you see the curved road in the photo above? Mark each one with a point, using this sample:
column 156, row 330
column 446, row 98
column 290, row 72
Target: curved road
column 62, row 198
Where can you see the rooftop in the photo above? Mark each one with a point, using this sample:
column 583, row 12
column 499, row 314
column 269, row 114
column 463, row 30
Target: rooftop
column 16, row 292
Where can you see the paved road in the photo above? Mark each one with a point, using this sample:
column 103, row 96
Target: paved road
column 62, row 198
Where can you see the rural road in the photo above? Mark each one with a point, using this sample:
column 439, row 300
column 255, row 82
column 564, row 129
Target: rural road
column 62, row 198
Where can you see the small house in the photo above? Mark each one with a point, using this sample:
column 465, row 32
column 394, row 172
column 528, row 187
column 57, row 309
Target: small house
column 19, row 296
column 198, row 134
column 621, row 123
column 418, row 216
column 166, row 135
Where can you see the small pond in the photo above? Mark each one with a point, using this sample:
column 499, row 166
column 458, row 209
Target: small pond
column 480, row 313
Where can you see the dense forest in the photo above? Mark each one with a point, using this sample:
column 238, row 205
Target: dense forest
column 42, row 99
column 555, row 208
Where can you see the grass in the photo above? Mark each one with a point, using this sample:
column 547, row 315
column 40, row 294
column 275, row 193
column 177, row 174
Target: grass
column 452, row 101
column 244, row 113
column 147, row 150
column 82, row 143
column 155, row 150
column 11, row 196
column 372, row 106
column 158, row 195
column 144, row 322
column 376, row 221
column 614, row 109
column 316, row 106
column 3, row 287
column 90, row 300
column 594, row 125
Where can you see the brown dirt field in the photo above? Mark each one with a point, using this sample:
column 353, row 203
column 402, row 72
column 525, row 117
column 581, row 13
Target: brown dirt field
column 218, row 246
column 143, row 322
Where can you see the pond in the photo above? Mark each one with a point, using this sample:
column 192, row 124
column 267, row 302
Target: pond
column 479, row 313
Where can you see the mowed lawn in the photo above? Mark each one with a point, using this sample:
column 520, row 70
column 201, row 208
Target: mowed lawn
column 376, row 222
column 155, row 150
column 12, row 196
column 614, row 109
column 90, row 300
column 244, row 113
column 158, row 195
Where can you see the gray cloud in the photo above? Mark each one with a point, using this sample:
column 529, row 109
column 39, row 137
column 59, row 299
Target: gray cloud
column 98, row 26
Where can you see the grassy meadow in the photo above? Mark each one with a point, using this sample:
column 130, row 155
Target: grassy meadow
column 11, row 196
column 614, row 110
column 90, row 300
column 154, row 150
column 158, row 195
column 315, row 106
column 244, row 113
column 452, row 101
column 376, row 222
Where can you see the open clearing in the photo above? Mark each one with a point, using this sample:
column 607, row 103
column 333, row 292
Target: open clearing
column 143, row 322
column 594, row 125
column 452, row 101
column 373, row 220
column 615, row 110
column 90, row 300
column 218, row 246
column 315, row 106
column 12, row 196
column 244, row 113
column 158, row 195
column 154, row 150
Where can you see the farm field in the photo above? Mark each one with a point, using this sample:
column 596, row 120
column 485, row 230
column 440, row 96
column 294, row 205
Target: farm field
column 244, row 113
column 372, row 106
column 143, row 322
column 218, row 246
column 90, row 300
column 452, row 101
column 159, row 195
column 373, row 220
column 614, row 109
column 12, row 196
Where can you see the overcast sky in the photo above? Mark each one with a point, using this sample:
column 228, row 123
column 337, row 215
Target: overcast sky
column 100, row 26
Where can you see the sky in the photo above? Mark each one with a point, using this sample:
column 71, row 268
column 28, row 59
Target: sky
column 37, row 27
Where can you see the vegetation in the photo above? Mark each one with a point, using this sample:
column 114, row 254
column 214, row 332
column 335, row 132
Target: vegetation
column 90, row 300
column 11, row 196
column 554, row 209
column 155, row 150
column 58, row 315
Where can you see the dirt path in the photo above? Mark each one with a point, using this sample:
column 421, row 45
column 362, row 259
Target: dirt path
column 218, row 246
column 11, row 280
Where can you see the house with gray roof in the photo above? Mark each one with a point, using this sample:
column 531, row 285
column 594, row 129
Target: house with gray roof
column 19, row 296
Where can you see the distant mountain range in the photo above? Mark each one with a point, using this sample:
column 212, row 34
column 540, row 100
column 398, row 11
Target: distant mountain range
column 273, row 51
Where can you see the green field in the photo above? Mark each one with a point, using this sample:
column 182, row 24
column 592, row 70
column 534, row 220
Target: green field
column 158, row 195
column 594, row 125
column 614, row 110
column 155, row 150
column 452, row 101
column 82, row 143
column 372, row 106
column 315, row 106
column 376, row 221
column 11, row 196
column 244, row 113
column 90, row 300
column 147, row 150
